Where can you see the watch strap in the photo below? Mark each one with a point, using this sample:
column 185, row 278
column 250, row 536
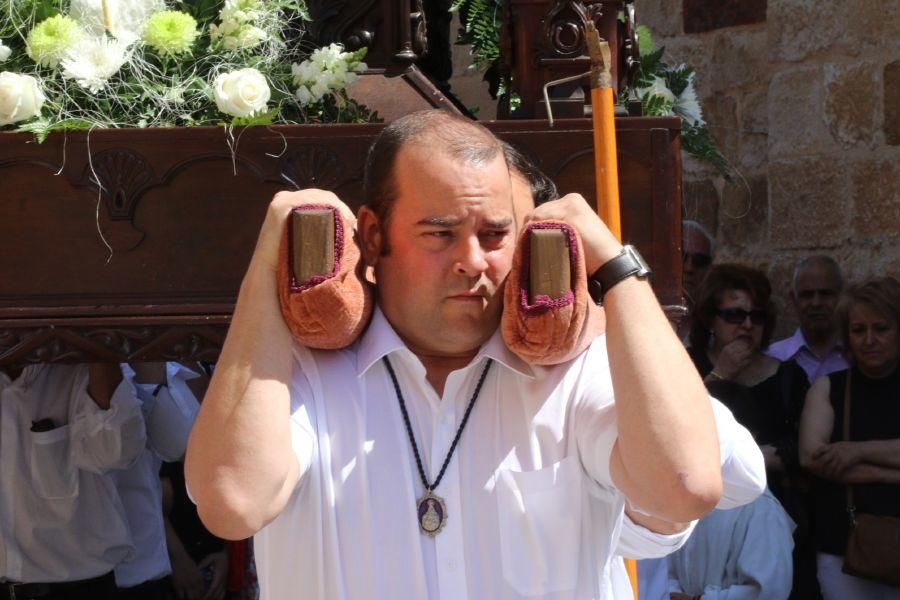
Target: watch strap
column 626, row 264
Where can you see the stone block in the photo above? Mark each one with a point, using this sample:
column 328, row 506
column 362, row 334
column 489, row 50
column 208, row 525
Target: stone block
column 876, row 197
column 700, row 202
column 851, row 92
column 891, row 103
column 799, row 29
column 702, row 15
column 740, row 57
column 744, row 213
column 808, row 203
column 662, row 17
column 754, row 109
column 796, row 119
column 720, row 112
column 753, row 156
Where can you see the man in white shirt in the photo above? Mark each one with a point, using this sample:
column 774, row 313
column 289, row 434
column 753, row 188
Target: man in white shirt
column 62, row 525
column 169, row 408
column 427, row 460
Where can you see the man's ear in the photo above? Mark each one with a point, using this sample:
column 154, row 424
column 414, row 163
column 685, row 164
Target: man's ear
column 371, row 236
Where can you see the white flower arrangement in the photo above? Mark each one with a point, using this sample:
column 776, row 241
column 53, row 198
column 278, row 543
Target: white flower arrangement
column 80, row 64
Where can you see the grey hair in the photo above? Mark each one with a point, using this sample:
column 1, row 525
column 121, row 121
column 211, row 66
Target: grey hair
column 691, row 224
column 822, row 260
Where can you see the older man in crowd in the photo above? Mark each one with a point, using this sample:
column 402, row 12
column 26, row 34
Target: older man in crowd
column 815, row 345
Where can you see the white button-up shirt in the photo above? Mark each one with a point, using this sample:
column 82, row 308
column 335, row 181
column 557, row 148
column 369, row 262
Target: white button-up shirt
column 60, row 515
column 169, row 416
column 531, row 508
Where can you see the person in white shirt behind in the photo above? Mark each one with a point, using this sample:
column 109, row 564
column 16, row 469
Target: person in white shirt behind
column 169, row 408
column 63, row 428
column 743, row 553
column 427, row 460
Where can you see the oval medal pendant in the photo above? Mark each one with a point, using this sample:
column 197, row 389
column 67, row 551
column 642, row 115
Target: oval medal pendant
column 432, row 513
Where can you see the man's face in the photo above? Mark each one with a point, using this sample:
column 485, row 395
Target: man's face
column 815, row 297
column 451, row 235
column 696, row 258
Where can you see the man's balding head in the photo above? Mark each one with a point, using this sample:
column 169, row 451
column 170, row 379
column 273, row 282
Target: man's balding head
column 435, row 131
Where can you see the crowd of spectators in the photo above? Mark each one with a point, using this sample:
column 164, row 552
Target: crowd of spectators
column 791, row 395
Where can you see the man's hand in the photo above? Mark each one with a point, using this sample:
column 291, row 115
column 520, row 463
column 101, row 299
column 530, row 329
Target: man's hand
column 834, row 459
column 599, row 244
column 270, row 236
column 734, row 358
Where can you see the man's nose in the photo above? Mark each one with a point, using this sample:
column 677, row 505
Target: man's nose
column 471, row 260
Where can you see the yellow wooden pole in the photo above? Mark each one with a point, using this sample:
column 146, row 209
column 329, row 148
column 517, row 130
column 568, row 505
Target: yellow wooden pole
column 606, row 170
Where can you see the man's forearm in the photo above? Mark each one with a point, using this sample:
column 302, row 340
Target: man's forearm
column 239, row 463
column 667, row 453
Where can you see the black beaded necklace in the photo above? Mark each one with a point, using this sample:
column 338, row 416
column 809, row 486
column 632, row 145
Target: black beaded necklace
column 430, row 509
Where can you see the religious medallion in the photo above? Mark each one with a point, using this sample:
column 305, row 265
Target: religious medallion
column 432, row 513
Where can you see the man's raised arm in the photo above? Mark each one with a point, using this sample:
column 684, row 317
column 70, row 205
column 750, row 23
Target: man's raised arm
column 666, row 457
column 240, row 466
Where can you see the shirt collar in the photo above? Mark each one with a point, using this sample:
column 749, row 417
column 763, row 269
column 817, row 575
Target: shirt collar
column 380, row 340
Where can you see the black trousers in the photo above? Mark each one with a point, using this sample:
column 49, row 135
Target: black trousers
column 99, row 588
column 156, row 589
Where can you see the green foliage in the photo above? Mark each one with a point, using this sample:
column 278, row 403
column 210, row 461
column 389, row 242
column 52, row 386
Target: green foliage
column 678, row 80
column 41, row 128
column 480, row 28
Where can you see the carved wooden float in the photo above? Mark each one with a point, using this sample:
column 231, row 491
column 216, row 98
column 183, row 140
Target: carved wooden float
column 181, row 211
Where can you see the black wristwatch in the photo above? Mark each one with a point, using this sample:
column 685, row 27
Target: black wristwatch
column 628, row 263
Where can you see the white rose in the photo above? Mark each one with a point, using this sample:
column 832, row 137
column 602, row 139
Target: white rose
column 241, row 93
column 20, row 98
column 5, row 51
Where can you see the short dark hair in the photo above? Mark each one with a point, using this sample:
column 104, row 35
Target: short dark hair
column 542, row 187
column 724, row 277
column 881, row 294
column 454, row 135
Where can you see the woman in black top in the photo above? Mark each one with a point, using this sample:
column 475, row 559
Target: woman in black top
column 870, row 462
column 733, row 321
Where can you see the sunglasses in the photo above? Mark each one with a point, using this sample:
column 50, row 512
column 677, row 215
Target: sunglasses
column 698, row 259
column 736, row 316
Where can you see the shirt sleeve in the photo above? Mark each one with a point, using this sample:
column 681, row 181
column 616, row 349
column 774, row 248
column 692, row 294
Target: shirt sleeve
column 303, row 433
column 636, row 541
column 743, row 467
column 595, row 414
column 103, row 440
column 169, row 412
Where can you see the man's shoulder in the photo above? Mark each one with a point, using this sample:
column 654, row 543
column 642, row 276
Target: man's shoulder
column 786, row 348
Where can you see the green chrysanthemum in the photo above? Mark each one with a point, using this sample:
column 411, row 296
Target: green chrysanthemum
column 48, row 41
column 171, row 32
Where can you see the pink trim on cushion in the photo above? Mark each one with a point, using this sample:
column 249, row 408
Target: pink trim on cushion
column 544, row 303
column 294, row 287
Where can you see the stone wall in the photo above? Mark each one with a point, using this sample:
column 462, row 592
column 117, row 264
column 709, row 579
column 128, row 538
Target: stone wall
column 803, row 98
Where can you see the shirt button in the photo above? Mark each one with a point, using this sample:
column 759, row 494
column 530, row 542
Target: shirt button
column 447, row 420
column 452, row 565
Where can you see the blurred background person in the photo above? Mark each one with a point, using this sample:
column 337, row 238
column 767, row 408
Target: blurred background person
column 869, row 318
column 169, row 408
column 743, row 552
column 816, row 344
column 697, row 251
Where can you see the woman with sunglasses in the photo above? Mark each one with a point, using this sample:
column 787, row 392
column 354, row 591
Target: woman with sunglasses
column 869, row 463
column 733, row 321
